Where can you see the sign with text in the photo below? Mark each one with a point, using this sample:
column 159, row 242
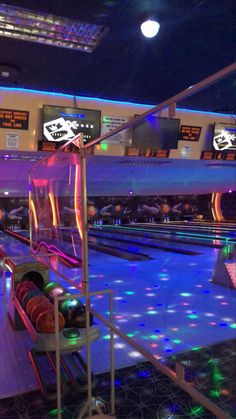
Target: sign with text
column 111, row 122
column 12, row 141
column 189, row 133
column 13, row 119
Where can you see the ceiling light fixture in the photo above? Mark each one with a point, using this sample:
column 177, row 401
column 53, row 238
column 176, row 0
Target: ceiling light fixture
column 34, row 26
column 150, row 28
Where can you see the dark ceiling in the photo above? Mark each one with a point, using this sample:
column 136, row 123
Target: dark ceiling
column 196, row 39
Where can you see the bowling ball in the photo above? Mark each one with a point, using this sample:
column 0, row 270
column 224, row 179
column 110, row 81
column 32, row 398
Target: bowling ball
column 39, row 308
column 118, row 208
column 31, row 303
column 23, row 284
column 45, row 322
column 92, row 211
column 29, row 295
column 47, row 288
column 24, row 291
column 55, row 292
column 74, row 313
column 34, row 277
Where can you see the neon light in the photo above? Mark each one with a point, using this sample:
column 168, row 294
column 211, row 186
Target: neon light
column 76, row 202
column 34, row 214
column 54, row 215
column 54, row 249
column 213, row 206
column 118, row 102
column 218, row 212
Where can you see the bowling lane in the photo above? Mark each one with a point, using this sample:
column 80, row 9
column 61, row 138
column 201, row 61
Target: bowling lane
column 224, row 234
column 171, row 238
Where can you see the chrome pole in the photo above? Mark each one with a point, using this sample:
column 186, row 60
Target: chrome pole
column 85, row 281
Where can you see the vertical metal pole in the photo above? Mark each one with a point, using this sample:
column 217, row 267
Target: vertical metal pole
column 30, row 214
column 58, row 369
column 5, row 293
column 85, row 265
column 112, row 363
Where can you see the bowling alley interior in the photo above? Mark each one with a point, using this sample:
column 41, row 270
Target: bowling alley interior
column 117, row 209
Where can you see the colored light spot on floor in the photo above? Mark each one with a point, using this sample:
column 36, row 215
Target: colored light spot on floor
column 185, row 294
column 119, row 345
column 144, row 373
column 106, row 337
column 152, row 312
column 197, row 411
column 135, row 354
column 233, row 325
column 153, row 337
column 177, row 341
column 154, row 345
column 129, row 292
column 192, row 316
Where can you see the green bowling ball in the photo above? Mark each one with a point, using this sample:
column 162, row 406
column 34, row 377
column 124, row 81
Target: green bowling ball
column 74, row 313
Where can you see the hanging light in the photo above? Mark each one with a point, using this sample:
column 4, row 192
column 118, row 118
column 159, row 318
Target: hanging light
column 150, row 28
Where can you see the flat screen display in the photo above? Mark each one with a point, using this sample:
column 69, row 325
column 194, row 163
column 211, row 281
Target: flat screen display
column 156, row 133
column 63, row 123
column 224, row 137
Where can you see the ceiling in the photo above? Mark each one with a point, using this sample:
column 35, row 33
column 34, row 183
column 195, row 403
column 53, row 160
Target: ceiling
column 121, row 176
column 196, row 39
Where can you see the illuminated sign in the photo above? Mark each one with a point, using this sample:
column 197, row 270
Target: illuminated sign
column 189, row 133
column 218, row 155
column 224, row 137
column 146, row 152
column 14, row 119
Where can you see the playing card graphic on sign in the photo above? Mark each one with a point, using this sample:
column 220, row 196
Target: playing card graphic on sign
column 57, row 130
column 224, row 137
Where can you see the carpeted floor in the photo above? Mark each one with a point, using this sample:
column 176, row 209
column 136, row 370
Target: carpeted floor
column 144, row 393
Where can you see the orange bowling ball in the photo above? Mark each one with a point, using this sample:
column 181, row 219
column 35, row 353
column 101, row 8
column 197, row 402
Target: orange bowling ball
column 45, row 322
column 23, row 284
column 35, row 300
column 24, row 291
column 39, row 308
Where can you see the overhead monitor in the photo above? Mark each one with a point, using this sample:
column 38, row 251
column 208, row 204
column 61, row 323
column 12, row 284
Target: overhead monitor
column 156, row 133
column 63, row 123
